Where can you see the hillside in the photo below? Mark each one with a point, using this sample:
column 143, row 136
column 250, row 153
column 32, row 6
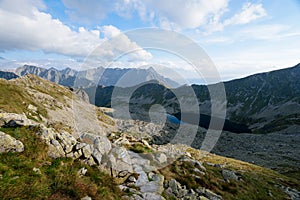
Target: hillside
column 61, row 160
column 264, row 103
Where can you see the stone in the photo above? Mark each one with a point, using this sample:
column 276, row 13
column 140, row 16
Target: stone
column 120, row 160
column 32, row 108
column 100, row 142
column 175, row 186
column 37, row 170
column 203, row 198
column 152, row 196
column 46, row 134
column 292, row 193
column 142, row 179
column 15, row 120
column 67, row 141
column 58, row 147
column 80, row 145
column 122, row 174
column 153, row 187
column 136, row 197
column 229, row 175
column 97, row 156
column 10, row 144
column 161, row 157
column 182, row 192
column 86, row 198
column 169, row 192
column 131, row 179
column 199, row 172
column 196, row 163
column 211, row 195
column 87, row 151
column 82, row 171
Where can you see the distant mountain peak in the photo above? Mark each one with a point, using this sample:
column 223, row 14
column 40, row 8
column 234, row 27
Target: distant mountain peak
column 97, row 76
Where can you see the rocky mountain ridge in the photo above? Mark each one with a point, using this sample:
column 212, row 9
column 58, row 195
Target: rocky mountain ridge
column 263, row 103
column 8, row 75
column 35, row 109
column 95, row 76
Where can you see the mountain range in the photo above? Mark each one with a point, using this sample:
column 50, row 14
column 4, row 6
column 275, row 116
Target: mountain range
column 48, row 152
column 8, row 75
column 96, row 76
column 262, row 103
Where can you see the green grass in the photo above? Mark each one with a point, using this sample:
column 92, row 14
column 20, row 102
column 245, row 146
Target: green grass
column 255, row 182
column 139, row 148
column 14, row 99
column 58, row 178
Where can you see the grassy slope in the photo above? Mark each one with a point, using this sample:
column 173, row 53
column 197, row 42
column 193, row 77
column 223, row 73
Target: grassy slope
column 58, row 178
column 255, row 182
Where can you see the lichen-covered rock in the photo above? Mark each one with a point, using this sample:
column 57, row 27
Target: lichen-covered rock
column 10, row 144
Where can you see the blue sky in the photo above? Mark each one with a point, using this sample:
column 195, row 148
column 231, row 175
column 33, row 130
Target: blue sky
column 241, row 37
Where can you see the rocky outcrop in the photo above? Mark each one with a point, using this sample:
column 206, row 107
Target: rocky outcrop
column 10, row 144
column 15, row 120
column 175, row 190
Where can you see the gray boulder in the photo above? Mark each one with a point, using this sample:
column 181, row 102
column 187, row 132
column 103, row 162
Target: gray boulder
column 15, row 120
column 100, row 142
column 229, row 175
column 10, row 144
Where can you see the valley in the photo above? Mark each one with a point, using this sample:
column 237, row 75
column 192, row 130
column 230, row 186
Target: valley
column 69, row 125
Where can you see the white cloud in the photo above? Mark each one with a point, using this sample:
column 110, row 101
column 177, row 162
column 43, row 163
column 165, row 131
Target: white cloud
column 186, row 14
column 35, row 30
column 250, row 12
column 167, row 13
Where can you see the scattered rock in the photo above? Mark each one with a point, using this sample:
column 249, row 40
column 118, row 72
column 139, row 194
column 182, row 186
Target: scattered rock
column 211, row 195
column 10, row 144
column 82, row 171
column 37, row 170
column 131, row 179
column 229, row 175
column 292, row 193
column 161, row 158
column 152, row 196
column 15, row 120
column 32, row 108
column 154, row 186
column 86, row 198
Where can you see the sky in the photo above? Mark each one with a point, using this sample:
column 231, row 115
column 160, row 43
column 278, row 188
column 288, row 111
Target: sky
column 240, row 37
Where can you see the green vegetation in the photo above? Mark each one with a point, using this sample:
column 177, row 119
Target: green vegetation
column 254, row 182
column 15, row 99
column 253, row 185
column 104, row 118
column 58, row 178
column 139, row 148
